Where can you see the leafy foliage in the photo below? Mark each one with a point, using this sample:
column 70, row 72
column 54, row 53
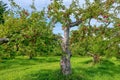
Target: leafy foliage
column 31, row 33
column 3, row 10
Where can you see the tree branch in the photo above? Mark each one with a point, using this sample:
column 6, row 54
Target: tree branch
column 107, row 24
column 112, row 43
column 89, row 22
column 75, row 23
column 90, row 54
column 3, row 40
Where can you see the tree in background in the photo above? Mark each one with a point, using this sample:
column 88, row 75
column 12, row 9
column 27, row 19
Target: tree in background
column 3, row 7
column 97, row 40
column 30, row 34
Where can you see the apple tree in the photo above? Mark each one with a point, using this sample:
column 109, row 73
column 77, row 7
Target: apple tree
column 59, row 13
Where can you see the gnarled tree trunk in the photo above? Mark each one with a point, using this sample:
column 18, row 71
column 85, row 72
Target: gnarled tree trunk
column 96, row 58
column 65, row 60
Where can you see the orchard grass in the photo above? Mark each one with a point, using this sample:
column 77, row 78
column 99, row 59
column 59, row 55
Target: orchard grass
column 47, row 68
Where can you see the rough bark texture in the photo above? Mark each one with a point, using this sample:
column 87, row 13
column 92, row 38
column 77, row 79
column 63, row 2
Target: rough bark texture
column 65, row 65
column 65, row 60
column 96, row 58
column 3, row 40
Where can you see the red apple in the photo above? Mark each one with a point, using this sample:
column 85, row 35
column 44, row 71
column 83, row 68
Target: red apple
column 105, row 16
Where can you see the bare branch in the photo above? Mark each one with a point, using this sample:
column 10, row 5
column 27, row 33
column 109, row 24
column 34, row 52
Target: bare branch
column 90, row 54
column 3, row 40
column 75, row 23
column 89, row 22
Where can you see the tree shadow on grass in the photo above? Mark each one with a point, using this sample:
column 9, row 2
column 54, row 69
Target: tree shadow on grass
column 86, row 62
column 105, row 67
column 52, row 75
column 46, row 59
column 17, row 62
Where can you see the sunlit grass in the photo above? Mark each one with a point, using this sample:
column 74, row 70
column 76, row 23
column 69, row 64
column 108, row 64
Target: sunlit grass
column 47, row 68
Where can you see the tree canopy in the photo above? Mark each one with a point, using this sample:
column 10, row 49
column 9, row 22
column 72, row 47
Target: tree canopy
column 30, row 34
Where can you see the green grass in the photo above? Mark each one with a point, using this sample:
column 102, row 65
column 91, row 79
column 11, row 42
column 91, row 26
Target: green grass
column 47, row 68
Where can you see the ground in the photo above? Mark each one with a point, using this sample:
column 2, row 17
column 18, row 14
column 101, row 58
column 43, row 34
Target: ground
column 47, row 68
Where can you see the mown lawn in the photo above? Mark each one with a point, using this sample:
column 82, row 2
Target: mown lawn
column 47, row 68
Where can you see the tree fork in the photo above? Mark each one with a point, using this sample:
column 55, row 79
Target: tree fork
column 65, row 60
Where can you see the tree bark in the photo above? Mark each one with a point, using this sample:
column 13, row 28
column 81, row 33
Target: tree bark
column 65, row 60
column 3, row 40
column 96, row 58
column 30, row 55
